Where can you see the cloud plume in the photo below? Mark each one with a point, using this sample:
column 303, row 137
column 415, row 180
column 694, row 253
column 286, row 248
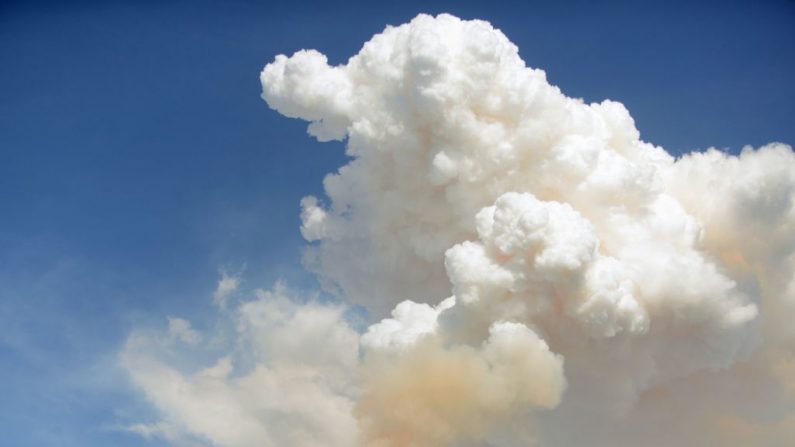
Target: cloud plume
column 536, row 273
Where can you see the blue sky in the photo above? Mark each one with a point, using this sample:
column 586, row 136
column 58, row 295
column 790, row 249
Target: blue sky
column 138, row 159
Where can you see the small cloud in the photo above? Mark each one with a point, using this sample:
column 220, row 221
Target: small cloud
column 181, row 330
column 226, row 286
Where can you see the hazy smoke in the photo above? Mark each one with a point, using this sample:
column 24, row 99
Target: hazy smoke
column 603, row 293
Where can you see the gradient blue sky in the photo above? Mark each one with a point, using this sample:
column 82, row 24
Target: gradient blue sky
column 138, row 160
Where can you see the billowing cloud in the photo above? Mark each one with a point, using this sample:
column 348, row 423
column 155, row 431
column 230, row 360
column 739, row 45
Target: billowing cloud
column 541, row 275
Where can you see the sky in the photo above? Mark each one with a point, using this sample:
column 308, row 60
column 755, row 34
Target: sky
column 139, row 163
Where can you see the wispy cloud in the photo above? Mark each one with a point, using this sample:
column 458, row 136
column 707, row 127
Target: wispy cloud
column 227, row 285
column 181, row 330
column 305, row 354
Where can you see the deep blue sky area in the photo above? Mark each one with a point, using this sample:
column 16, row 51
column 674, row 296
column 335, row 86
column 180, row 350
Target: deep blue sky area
column 137, row 158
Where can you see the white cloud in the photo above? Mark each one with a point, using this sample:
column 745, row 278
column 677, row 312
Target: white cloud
column 181, row 330
column 287, row 380
column 597, row 282
column 641, row 271
column 227, row 285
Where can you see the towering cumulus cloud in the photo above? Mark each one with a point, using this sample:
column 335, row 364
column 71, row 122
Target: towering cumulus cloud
column 541, row 275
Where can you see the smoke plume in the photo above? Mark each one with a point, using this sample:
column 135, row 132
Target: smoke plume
column 536, row 273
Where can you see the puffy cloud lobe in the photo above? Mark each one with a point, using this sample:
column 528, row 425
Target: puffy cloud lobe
column 536, row 257
column 316, row 92
column 431, row 395
column 597, row 282
column 752, row 229
column 410, row 322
